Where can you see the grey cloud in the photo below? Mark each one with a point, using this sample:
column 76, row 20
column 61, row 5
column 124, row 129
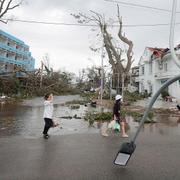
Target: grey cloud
column 77, row 40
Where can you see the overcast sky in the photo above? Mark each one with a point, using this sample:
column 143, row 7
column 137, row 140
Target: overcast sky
column 68, row 46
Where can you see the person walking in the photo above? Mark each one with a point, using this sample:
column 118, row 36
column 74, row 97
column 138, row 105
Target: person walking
column 117, row 113
column 48, row 114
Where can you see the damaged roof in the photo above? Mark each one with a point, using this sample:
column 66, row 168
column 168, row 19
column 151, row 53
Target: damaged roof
column 161, row 52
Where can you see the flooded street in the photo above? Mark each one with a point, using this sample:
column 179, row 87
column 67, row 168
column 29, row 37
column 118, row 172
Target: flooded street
column 26, row 119
column 167, row 125
column 77, row 151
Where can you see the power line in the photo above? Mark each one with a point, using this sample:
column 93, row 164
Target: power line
column 86, row 25
column 148, row 25
column 49, row 23
column 139, row 5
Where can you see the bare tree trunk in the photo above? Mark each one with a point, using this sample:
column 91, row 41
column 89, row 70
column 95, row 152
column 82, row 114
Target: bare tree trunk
column 6, row 6
column 129, row 53
column 114, row 55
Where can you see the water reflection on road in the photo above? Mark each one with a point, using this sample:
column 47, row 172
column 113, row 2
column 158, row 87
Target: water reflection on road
column 166, row 125
column 25, row 119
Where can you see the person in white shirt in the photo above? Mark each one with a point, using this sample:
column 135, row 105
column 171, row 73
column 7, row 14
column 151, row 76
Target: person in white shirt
column 48, row 114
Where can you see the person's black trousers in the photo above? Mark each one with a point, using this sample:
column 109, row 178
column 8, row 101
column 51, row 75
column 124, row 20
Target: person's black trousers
column 178, row 106
column 48, row 124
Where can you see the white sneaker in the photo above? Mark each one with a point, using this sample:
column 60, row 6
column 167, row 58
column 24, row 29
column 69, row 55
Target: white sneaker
column 125, row 136
column 105, row 134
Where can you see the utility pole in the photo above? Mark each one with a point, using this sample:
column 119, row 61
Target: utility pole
column 110, row 87
column 122, row 86
column 118, row 84
column 102, row 66
column 102, row 76
column 41, row 74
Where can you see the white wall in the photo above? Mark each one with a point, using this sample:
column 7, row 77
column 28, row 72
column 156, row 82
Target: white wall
column 155, row 77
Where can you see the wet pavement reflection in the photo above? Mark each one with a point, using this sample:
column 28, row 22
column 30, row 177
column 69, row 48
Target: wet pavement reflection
column 26, row 120
column 166, row 125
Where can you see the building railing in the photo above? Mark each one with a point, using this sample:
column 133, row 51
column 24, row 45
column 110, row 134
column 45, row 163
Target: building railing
column 9, row 48
column 23, row 50
column 11, row 37
column 13, row 61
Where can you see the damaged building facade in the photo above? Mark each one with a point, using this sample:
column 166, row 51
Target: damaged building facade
column 156, row 66
column 14, row 54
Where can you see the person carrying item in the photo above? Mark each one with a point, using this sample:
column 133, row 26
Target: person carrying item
column 48, row 114
column 116, row 115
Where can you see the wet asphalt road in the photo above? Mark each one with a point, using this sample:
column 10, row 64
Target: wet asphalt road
column 89, row 157
column 77, row 152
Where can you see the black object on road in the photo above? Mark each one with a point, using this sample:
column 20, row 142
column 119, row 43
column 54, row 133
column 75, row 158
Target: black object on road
column 124, row 153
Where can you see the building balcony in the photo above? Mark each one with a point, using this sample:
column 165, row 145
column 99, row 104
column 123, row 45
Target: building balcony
column 8, row 36
column 13, row 61
column 13, row 49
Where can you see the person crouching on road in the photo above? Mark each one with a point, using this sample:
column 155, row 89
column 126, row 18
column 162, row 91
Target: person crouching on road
column 116, row 114
column 48, row 114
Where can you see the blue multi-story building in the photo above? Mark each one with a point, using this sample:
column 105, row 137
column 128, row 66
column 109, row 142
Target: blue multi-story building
column 14, row 54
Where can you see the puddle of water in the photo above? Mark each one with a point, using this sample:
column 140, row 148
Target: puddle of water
column 26, row 120
column 166, row 125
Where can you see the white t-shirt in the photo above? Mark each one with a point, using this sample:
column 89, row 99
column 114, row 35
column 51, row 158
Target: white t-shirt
column 48, row 109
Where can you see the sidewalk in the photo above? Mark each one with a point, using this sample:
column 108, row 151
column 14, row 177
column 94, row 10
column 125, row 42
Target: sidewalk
column 142, row 103
column 158, row 104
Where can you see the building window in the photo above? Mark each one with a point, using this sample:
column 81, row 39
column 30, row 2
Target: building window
column 151, row 89
column 160, row 65
column 165, row 67
column 150, row 67
column 6, row 67
column 141, row 87
column 142, row 70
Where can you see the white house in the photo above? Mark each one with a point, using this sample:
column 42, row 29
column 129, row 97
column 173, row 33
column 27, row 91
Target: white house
column 156, row 67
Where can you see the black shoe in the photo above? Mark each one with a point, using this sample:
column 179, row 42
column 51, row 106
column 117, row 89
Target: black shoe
column 46, row 136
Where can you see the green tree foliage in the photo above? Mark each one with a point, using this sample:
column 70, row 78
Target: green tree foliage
column 89, row 78
column 132, row 97
column 29, row 85
column 92, row 117
column 9, row 86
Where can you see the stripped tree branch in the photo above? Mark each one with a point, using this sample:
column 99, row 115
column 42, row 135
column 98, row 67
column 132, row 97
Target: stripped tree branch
column 5, row 7
column 113, row 52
